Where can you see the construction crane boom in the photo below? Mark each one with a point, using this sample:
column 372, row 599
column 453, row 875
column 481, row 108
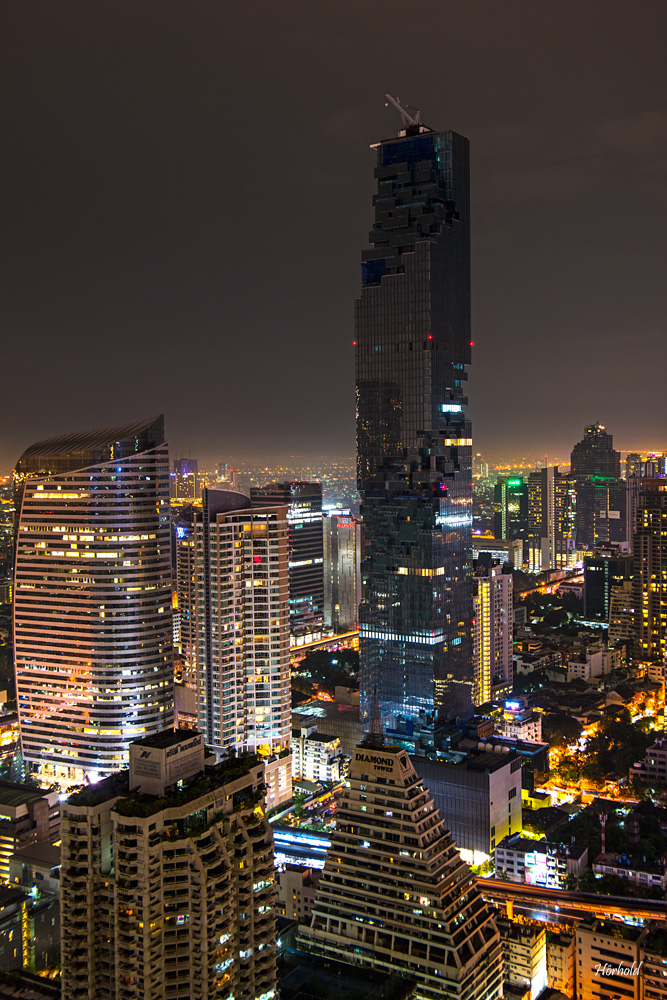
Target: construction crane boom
column 409, row 120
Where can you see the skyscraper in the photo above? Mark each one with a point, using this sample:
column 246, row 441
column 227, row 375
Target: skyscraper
column 492, row 629
column 92, row 610
column 600, row 491
column 242, row 633
column 594, row 455
column 342, row 571
column 306, row 556
column 650, row 571
column 186, row 586
column 510, row 504
column 551, row 512
column 414, row 454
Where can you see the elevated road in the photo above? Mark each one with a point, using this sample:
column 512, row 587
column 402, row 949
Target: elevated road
column 513, row 894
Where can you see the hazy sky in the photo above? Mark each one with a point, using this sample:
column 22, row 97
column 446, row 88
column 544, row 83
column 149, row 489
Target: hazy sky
column 187, row 189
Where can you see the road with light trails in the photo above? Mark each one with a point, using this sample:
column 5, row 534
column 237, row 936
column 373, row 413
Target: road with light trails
column 513, row 894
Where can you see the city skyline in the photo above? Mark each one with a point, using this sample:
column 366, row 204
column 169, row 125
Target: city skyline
column 137, row 218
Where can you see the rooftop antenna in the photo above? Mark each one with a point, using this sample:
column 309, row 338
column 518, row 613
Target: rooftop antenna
column 409, row 120
column 375, row 737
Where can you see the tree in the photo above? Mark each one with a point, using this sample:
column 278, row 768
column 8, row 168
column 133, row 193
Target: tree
column 559, row 729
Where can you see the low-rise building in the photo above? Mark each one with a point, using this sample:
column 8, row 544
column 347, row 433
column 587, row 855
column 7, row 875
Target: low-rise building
column 560, row 962
column 524, row 956
column 297, row 888
column 519, row 722
column 653, row 769
column 37, row 868
column 587, row 664
column 316, row 757
column 654, row 968
column 538, row 862
column 643, row 874
column 9, row 735
column 13, row 904
column 29, row 930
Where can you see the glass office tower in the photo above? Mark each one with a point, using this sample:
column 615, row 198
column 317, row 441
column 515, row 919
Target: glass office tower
column 92, row 610
column 414, row 442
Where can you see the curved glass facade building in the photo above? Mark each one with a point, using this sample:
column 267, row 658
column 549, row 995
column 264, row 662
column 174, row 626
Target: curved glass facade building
column 414, row 445
column 92, row 608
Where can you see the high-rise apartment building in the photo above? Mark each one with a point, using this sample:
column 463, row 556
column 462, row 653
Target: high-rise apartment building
column 551, row 525
column 342, row 571
column 394, row 895
column 186, row 588
column 492, row 630
column 93, row 606
column 414, row 454
column 168, row 884
column 241, row 617
column 622, row 615
column 632, row 486
column 306, row 555
column 650, row 571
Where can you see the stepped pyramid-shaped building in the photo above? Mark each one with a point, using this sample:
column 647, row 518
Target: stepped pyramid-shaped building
column 395, row 895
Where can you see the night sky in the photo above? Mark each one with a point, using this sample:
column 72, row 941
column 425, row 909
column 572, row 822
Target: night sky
column 187, row 188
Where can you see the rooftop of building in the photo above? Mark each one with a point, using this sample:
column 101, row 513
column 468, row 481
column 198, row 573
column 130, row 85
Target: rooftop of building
column 526, row 748
column 166, row 738
column 630, row 864
column 13, row 794
column 325, row 710
column 529, row 846
column 42, row 854
column 473, row 759
column 656, row 940
column 111, row 787
column 83, row 441
column 9, row 896
column 614, row 929
column 314, row 737
column 142, row 804
column 22, row 985
column 116, row 786
column 305, row 976
column 518, row 931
